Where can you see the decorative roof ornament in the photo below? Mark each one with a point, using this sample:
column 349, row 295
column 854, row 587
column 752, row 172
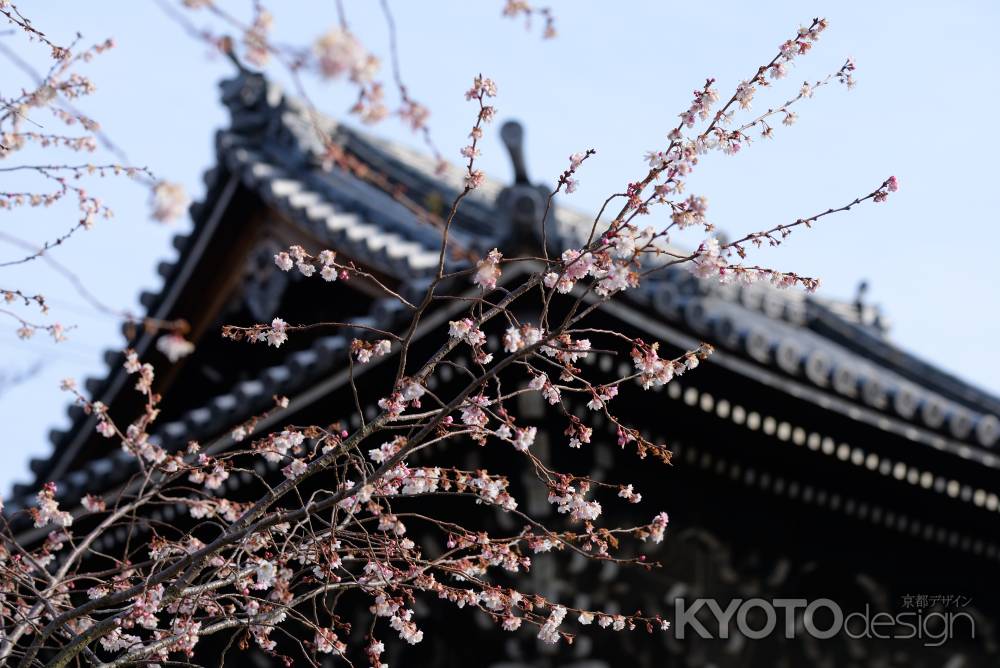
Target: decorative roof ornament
column 522, row 204
column 868, row 314
column 512, row 135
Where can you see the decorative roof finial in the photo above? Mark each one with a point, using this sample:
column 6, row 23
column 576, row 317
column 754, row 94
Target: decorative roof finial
column 859, row 299
column 869, row 315
column 522, row 202
column 512, row 134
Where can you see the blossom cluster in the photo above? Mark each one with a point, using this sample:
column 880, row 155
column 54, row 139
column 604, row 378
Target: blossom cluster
column 339, row 53
column 326, row 260
column 169, row 201
column 174, row 346
column 482, row 88
column 467, row 331
column 47, row 511
column 655, row 371
column 407, row 394
column 365, row 351
column 274, row 334
column 575, row 161
column 515, row 8
column 612, row 266
column 488, row 270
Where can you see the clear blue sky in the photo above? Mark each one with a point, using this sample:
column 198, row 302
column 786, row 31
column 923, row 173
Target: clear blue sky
column 614, row 80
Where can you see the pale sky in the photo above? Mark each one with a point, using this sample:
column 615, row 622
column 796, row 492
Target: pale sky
column 613, row 80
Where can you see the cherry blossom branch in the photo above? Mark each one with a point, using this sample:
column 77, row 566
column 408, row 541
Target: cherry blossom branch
column 335, row 519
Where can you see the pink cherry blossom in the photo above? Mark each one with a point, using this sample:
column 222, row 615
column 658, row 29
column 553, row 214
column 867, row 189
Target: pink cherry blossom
column 488, row 270
column 549, row 631
column 659, row 527
column 523, row 438
column 284, row 261
column 339, row 53
column 47, row 510
column 474, row 179
column 174, row 346
column 275, row 335
column 169, row 201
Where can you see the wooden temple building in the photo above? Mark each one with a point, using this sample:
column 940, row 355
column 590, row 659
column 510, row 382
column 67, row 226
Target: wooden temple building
column 813, row 458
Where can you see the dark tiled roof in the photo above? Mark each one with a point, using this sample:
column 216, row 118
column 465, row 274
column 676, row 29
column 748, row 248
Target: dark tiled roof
column 272, row 148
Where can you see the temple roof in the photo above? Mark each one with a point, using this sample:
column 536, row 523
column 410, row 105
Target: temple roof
column 823, row 351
